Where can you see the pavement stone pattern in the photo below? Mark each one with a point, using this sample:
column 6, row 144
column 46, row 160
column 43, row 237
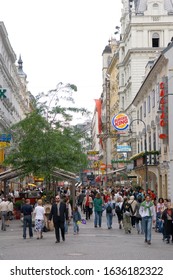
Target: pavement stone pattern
column 90, row 244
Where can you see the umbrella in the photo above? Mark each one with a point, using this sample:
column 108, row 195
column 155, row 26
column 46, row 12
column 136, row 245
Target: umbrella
column 32, row 185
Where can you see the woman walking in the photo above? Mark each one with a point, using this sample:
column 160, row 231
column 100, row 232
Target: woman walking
column 127, row 213
column 118, row 211
column 109, row 214
column 87, row 205
column 167, row 217
column 138, row 219
column 148, row 214
column 39, row 214
column 98, row 202
column 76, row 220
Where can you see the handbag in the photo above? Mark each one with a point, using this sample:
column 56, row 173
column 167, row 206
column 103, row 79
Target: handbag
column 127, row 213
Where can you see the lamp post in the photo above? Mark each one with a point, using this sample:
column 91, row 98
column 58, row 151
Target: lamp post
column 146, row 165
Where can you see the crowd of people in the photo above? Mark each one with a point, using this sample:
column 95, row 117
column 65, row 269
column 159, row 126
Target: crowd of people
column 132, row 209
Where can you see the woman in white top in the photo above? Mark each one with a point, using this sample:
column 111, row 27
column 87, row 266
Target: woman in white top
column 39, row 213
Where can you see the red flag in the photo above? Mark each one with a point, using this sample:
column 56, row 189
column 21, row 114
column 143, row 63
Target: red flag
column 98, row 109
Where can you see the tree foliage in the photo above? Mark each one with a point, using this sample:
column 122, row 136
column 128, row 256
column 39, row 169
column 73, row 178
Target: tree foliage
column 45, row 138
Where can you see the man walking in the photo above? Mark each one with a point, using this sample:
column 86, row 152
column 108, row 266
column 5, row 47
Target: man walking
column 27, row 218
column 148, row 214
column 3, row 212
column 59, row 213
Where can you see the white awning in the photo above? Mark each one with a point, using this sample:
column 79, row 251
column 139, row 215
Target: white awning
column 116, row 170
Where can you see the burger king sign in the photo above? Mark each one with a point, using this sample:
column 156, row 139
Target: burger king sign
column 120, row 122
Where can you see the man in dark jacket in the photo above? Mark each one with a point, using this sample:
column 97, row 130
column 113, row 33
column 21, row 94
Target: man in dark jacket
column 27, row 210
column 59, row 213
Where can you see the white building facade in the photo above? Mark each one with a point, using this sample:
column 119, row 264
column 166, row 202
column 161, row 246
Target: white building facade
column 146, row 30
column 155, row 93
column 14, row 95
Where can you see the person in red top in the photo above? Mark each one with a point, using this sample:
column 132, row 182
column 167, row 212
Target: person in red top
column 88, row 205
column 106, row 197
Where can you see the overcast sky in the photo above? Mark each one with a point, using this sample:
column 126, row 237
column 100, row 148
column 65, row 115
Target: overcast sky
column 62, row 40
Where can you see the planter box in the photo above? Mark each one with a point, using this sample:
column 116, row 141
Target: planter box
column 17, row 214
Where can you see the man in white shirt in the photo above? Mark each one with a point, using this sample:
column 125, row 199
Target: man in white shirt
column 148, row 214
column 3, row 212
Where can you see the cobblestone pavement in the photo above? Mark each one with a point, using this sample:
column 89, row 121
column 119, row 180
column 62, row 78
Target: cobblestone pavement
column 91, row 244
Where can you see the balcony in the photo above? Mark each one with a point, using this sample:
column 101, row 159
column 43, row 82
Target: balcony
column 152, row 159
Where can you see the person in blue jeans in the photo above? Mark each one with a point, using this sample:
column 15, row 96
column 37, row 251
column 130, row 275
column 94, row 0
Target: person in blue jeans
column 27, row 210
column 148, row 214
column 98, row 202
column 109, row 212
column 76, row 219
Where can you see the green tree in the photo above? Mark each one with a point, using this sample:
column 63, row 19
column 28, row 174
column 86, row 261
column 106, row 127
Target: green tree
column 45, row 138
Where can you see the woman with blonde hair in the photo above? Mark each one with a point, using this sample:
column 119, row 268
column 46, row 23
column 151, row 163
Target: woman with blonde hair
column 39, row 213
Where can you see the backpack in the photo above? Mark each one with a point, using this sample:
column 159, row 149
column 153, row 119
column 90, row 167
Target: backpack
column 117, row 209
column 109, row 209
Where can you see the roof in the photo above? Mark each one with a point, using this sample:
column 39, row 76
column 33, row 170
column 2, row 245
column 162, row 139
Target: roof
column 107, row 49
column 141, row 5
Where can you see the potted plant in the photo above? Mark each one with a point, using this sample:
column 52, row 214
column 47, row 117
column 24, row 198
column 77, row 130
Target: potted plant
column 17, row 209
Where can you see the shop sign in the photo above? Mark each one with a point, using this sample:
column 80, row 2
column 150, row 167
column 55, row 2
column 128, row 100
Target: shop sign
column 163, row 116
column 5, row 137
column 2, row 93
column 92, row 152
column 120, row 122
column 123, row 148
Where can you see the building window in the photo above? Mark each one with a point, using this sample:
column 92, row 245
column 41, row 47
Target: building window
column 138, row 148
column 153, row 98
column 149, row 142
column 155, row 6
column 123, row 103
column 141, row 112
column 122, row 79
column 138, row 116
column 155, row 40
column 145, row 105
column 149, row 104
column 109, row 60
column 157, row 92
column 154, row 141
column 141, row 146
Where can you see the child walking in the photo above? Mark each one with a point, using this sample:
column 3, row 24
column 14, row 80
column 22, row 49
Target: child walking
column 76, row 219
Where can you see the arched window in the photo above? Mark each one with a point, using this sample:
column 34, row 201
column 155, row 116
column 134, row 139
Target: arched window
column 155, row 40
column 155, row 6
column 109, row 60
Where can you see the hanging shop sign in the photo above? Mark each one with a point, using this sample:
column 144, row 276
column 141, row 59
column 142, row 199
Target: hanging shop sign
column 123, row 148
column 92, row 152
column 164, row 111
column 2, row 93
column 120, row 122
column 5, row 137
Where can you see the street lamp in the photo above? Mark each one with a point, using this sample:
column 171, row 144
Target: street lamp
column 146, row 165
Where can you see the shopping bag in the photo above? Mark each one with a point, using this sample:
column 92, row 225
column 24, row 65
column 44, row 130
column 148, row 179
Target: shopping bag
column 83, row 221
